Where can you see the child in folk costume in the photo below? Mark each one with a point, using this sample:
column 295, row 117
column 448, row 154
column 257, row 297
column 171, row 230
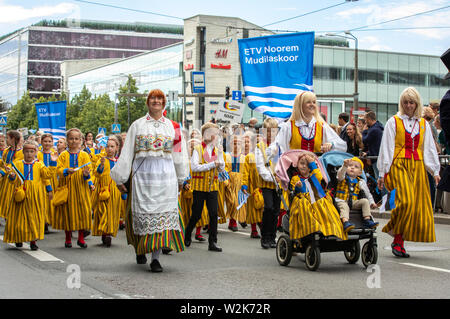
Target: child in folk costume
column 250, row 183
column 268, row 185
column 186, row 199
column 73, row 210
column 311, row 209
column 44, row 156
column 206, row 162
column 12, row 153
column 61, row 145
column 235, row 162
column 108, row 200
column 407, row 152
column 349, row 186
column 26, row 216
column 2, row 146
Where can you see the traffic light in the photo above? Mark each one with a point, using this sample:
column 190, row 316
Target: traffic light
column 227, row 93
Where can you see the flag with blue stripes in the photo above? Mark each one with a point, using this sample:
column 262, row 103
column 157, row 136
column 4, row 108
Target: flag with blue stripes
column 388, row 201
column 52, row 118
column 275, row 69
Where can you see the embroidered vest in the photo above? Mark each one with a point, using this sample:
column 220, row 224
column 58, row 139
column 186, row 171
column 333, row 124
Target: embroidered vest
column 204, row 181
column 346, row 188
column 312, row 143
column 405, row 146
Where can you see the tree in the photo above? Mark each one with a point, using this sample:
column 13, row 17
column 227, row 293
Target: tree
column 74, row 109
column 138, row 108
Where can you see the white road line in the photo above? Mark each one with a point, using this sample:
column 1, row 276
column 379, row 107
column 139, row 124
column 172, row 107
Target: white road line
column 426, row 267
column 38, row 254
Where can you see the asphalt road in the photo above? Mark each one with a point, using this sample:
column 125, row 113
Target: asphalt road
column 242, row 271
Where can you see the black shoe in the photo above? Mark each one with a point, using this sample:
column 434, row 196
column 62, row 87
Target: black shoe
column 243, row 225
column 187, row 241
column 68, row 245
column 122, row 226
column 214, row 247
column 82, row 245
column 265, row 244
column 86, row 233
column 141, row 259
column 19, row 245
column 155, row 266
column 200, row 238
column 273, row 244
column 46, row 231
column 33, row 246
column 166, row 251
column 107, row 241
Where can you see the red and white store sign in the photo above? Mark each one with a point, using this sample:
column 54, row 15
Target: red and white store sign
column 188, row 67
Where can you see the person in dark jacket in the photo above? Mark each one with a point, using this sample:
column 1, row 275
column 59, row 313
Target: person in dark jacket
column 372, row 137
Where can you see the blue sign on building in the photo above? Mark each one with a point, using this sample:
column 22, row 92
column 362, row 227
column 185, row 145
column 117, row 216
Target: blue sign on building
column 237, row 95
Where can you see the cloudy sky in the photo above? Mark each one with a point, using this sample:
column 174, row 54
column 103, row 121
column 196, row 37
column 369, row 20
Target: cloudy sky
column 427, row 33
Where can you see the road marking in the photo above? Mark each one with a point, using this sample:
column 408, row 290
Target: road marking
column 38, row 254
column 426, row 267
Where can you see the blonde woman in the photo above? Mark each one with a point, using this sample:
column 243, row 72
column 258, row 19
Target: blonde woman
column 306, row 129
column 407, row 151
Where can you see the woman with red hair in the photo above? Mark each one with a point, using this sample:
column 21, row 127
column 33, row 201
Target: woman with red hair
column 154, row 160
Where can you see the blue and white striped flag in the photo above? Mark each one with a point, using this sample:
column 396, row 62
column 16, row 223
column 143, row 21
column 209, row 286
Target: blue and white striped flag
column 275, row 69
column 242, row 199
column 388, row 201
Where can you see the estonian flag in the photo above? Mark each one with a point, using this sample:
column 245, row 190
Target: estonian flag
column 18, row 173
column 388, row 201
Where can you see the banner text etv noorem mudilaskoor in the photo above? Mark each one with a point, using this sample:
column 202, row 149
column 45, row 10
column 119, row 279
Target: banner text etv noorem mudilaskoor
column 52, row 118
column 266, row 52
column 275, row 69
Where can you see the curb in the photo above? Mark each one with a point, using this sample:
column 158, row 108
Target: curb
column 438, row 218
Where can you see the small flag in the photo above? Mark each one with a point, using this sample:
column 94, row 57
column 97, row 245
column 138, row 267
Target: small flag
column 388, row 201
column 103, row 141
column 242, row 199
column 223, row 176
column 18, row 173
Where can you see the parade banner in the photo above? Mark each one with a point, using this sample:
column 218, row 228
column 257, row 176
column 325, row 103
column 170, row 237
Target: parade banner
column 275, row 69
column 52, row 118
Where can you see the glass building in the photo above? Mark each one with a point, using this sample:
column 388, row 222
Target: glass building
column 159, row 68
column 30, row 58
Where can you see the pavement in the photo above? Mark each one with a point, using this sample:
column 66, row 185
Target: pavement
column 439, row 218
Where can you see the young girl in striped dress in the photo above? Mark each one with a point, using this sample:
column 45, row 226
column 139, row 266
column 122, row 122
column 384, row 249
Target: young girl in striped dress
column 44, row 156
column 12, row 153
column 74, row 173
column 312, row 210
column 107, row 208
column 26, row 216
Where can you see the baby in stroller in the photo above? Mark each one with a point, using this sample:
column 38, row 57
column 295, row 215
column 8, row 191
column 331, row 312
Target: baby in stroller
column 312, row 209
column 349, row 187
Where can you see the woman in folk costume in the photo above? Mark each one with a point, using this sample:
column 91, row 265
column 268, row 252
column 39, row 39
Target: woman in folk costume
column 26, row 215
column 186, row 198
column 108, row 200
column 72, row 199
column 306, row 129
column 12, row 153
column 235, row 162
column 155, row 156
column 407, row 152
column 311, row 209
column 44, row 156
column 250, row 183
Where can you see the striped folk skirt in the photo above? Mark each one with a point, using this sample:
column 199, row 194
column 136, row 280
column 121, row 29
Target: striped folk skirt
column 412, row 216
column 321, row 216
column 144, row 244
column 185, row 199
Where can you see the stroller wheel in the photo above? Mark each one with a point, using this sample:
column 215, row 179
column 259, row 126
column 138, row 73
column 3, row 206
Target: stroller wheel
column 354, row 253
column 369, row 254
column 312, row 257
column 284, row 250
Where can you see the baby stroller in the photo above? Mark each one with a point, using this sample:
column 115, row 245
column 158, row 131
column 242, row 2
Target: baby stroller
column 314, row 244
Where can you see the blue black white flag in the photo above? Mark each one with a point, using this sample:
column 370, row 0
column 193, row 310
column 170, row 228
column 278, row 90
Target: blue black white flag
column 388, row 201
column 52, row 118
column 275, row 69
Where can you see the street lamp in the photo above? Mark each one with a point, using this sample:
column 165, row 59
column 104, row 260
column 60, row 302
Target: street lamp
column 355, row 76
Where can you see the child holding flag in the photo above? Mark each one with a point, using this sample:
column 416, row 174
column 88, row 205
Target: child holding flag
column 73, row 208
column 26, row 216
